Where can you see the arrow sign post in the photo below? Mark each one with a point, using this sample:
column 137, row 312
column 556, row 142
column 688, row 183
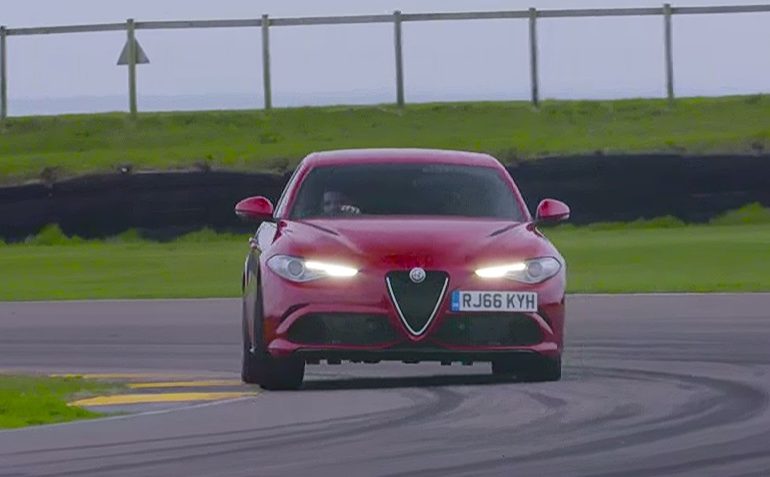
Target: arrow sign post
column 140, row 58
column 132, row 55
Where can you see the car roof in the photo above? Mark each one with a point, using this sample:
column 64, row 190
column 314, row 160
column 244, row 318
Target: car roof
column 399, row 155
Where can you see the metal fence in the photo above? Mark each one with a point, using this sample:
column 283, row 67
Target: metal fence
column 531, row 15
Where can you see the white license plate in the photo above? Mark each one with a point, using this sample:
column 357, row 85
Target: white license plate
column 494, row 301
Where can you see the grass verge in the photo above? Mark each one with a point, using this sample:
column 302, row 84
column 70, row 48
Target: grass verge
column 255, row 140
column 685, row 259
column 28, row 400
column 637, row 257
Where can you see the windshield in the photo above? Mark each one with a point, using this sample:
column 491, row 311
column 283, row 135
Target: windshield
column 405, row 189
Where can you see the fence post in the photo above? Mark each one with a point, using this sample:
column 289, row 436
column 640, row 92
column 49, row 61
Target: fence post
column 533, row 57
column 3, row 74
column 266, row 62
column 669, row 52
column 399, row 59
column 131, row 35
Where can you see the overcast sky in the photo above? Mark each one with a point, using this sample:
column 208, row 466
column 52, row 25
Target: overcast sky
column 190, row 69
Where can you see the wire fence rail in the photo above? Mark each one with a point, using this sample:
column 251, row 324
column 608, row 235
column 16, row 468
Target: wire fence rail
column 264, row 23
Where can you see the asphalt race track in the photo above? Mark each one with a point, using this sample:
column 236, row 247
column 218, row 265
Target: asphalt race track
column 654, row 385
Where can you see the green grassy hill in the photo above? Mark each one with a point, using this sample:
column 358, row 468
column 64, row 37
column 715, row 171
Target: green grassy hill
column 255, row 140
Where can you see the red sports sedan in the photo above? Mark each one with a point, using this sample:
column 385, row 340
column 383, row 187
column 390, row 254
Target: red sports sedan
column 404, row 255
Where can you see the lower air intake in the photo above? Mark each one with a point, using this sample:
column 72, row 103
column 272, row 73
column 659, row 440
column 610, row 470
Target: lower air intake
column 498, row 329
column 342, row 329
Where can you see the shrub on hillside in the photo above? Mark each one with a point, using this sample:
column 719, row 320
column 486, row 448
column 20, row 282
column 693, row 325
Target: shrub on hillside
column 52, row 235
column 748, row 214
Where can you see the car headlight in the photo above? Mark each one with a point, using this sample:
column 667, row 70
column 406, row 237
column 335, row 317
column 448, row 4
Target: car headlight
column 300, row 270
column 531, row 271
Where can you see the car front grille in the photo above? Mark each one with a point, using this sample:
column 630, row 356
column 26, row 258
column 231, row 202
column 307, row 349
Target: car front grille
column 342, row 329
column 417, row 303
column 496, row 329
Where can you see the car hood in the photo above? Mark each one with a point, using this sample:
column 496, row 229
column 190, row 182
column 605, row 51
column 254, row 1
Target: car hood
column 409, row 242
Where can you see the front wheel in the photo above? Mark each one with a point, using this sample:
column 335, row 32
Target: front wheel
column 271, row 373
column 543, row 370
column 281, row 373
column 259, row 367
column 540, row 369
column 249, row 363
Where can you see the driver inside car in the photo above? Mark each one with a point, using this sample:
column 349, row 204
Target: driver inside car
column 336, row 203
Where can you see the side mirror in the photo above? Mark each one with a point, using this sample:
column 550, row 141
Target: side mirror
column 255, row 208
column 551, row 210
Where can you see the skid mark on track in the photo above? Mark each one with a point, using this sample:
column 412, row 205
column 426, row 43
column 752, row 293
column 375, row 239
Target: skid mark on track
column 427, row 405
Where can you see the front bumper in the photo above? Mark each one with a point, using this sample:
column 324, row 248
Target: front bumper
column 415, row 355
column 409, row 354
column 288, row 307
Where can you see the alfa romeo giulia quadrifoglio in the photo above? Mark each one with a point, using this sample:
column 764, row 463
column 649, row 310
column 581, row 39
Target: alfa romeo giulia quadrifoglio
column 405, row 255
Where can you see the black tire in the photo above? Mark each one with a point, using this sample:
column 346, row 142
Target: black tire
column 532, row 371
column 542, row 370
column 504, row 367
column 259, row 367
column 269, row 372
column 281, row 373
column 249, row 365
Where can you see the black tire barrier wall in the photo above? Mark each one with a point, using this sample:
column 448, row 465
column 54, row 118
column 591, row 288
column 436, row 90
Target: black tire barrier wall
column 597, row 188
column 626, row 188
